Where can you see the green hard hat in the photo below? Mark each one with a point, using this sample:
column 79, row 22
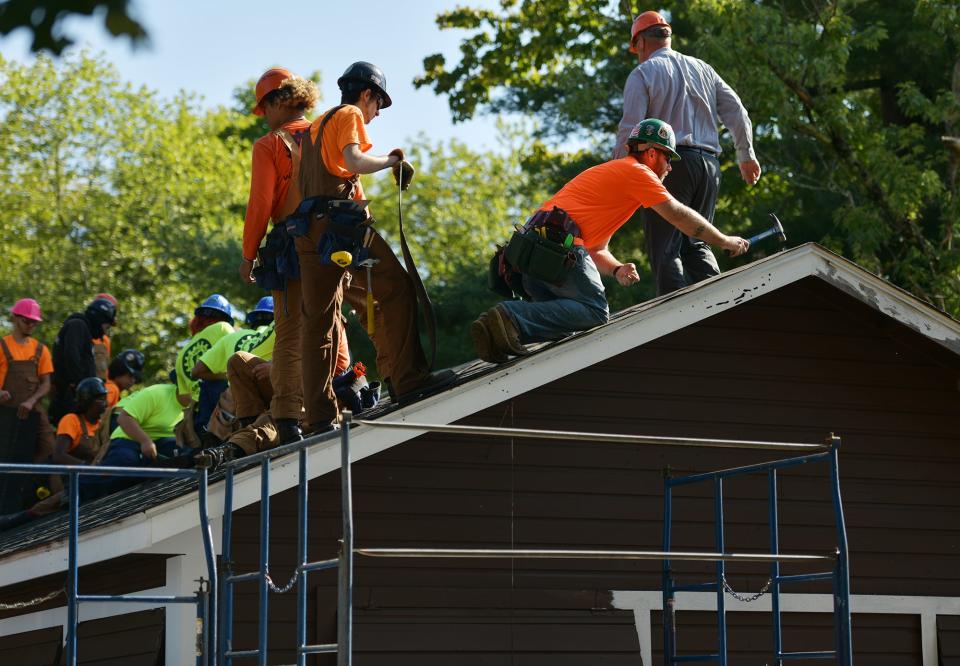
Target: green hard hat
column 654, row 130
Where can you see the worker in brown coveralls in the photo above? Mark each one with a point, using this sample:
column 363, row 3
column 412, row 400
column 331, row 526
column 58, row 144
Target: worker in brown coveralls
column 25, row 369
column 334, row 217
column 282, row 99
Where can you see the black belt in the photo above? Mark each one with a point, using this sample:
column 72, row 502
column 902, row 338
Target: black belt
column 697, row 149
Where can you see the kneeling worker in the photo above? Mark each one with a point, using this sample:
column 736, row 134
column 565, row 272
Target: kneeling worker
column 589, row 210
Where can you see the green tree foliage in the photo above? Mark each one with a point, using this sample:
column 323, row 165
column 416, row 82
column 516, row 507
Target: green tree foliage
column 104, row 187
column 45, row 19
column 855, row 108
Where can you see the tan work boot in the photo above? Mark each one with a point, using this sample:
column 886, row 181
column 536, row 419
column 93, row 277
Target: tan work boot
column 483, row 342
column 504, row 332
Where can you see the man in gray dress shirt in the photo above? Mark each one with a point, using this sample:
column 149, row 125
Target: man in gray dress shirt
column 689, row 95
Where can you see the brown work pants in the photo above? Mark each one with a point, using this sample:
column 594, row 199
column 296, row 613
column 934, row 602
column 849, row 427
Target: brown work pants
column 258, row 436
column 395, row 336
column 251, row 396
column 285, row 374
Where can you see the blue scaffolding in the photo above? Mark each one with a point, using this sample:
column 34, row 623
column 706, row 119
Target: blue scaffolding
column 265, row 584
column 213, row 614
column 204, row 599
column 839, row 575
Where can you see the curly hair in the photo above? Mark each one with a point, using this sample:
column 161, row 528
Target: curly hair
column 295, row 92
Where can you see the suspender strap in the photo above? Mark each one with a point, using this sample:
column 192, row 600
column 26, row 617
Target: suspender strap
column 6, row 351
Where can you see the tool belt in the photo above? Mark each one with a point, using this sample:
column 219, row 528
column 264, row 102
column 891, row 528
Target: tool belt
column 348, row 230
column 276, row 260
column 542, row 249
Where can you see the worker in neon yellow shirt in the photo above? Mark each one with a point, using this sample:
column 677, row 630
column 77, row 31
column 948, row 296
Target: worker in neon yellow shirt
column 212, row 320
column 258, row 340
column 144, row 437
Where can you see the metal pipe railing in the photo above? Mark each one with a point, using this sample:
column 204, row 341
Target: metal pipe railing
column 557, row 554
column 572, row 435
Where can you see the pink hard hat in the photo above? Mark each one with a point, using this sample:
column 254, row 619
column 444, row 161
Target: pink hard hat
column 27, row 308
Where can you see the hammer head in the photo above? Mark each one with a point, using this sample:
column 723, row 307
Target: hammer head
column 778, row 229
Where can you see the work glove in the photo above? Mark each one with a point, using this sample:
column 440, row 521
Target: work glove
column 403, row 173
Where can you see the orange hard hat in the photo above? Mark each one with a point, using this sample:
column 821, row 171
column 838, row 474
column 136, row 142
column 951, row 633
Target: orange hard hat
column 270, row 81
column 641, row 23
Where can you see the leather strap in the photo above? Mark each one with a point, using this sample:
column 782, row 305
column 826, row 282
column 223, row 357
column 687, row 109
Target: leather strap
column 430, row 317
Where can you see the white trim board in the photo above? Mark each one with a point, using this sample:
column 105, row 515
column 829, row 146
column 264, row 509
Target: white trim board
column 644, row 602
column 640, row 325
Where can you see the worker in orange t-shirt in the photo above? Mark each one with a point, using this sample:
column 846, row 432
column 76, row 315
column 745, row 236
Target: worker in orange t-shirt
column 589, row 210
column 335, row 152
column 282, row 99
column 76, row 432
column 26, row 366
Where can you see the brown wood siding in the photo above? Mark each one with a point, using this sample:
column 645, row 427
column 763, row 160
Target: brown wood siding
column 791, row 366
column 122, row 575
column 948, row 639
column 880, row 640
column 134, row 639
column 32, row 648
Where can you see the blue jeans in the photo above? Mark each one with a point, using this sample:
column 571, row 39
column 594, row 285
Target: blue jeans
column 577, row 304
column 123, row 453
column 210, row 390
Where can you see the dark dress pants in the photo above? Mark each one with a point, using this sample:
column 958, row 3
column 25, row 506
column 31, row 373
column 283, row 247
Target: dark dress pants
column 677, row 260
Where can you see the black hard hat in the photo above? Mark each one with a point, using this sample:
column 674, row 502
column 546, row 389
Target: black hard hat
column 129, row 361
column 101, row 311
column 88, row 390
column 361, row 75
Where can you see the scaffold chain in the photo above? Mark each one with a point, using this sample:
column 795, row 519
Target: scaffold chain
column 33, row 602
column 743, row 597
column 286, row 588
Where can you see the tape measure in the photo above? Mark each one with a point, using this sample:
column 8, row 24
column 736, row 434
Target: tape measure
column 342, row 258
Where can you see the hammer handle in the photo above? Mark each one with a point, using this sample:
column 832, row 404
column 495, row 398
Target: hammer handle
column 763, row 234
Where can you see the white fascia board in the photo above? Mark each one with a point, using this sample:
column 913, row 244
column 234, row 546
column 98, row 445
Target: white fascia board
column 689, row 306
column 888, row 299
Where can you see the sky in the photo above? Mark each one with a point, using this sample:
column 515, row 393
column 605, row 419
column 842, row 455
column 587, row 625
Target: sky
column 209, row 47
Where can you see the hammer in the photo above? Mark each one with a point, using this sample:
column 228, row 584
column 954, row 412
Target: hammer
column 369, row 263
column 775, row 230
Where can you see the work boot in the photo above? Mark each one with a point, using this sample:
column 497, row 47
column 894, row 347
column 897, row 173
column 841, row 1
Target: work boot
column 504, row 331
column 487, row 349
column 218, row 456
column 435, row 382
column 288, row 431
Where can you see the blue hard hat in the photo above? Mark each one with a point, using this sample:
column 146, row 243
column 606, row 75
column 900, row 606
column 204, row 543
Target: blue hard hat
column 215, row 303
column 261, row 315
column 265, row 304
